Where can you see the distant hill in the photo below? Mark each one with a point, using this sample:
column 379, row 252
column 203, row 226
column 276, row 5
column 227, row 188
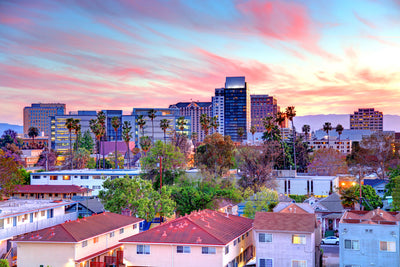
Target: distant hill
column 390, row 122
column 6, row 126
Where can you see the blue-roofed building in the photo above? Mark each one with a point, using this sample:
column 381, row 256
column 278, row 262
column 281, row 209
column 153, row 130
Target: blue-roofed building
column 378, row 185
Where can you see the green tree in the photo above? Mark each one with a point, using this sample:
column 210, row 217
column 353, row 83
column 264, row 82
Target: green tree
column 101, row 125
column 290, row 114
column 214, row 123
column 32, row 133
column 99, row 132
column 327, row 161
column 70, row 124
column 170, row 155
column 26, row 176
column 253, row 130
column 393, row 173
column 138, row 196
column 77, row 130
column 181, row 122
column 216, row 155
column 86, row 141
column 10, row 174
column 141, row 123
column 339, row 129
column 264, row 200
column 396, row 193
column 81, row 158
column 306, row 130
column 116, row 123
column 145, row 143
column 327, row 127
column 127, row 136
column 205, row 123
column 164, row 125
column 4, row 263
column 351, row 195
column 240, row 132
column 152, row 115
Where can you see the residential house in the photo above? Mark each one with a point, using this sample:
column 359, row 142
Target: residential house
column 369, row 238
column 378, row 185
column 55, row 192
column 18, row 217
column 205, row 238
column 91, row 241
column 288, row 207
column 286, row 239
column 90, row 206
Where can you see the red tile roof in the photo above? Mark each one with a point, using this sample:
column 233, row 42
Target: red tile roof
column 205, row 227
column 81, row 229
column 61, row 189
column 295, row 222
column 375, row 216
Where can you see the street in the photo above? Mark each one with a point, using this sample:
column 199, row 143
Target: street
column 331, row 255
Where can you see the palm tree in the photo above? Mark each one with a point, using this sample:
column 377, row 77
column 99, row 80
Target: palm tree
column 214, row 123
column 141, row 122
column 77, row 129
column 279, row 118
column 127, row 135
column 290, row 114
column 240, row 132
column 339, row 129
column 115, row 123
column 164, row 125
column 181, row 122
column 101, row 120
column 98, row 131
column 268, row 124
column 253, row 131
column 70, row 124
column 205, row 123
column 152, row 116
column 32, row 133
column 145, row 144
column 327, row 127
column 306, row 130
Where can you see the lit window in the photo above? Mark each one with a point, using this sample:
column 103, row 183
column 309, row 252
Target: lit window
column 387, row 246
column 182, row 249
column 95, row 240
column 351, row 244
column 264, row 238
column 298, row 239
column 143, row 249
column 66, row 177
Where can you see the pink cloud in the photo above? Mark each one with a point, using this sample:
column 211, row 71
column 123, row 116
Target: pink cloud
column 364, row 21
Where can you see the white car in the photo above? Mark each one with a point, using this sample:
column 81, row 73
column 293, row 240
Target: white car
column 333, row 240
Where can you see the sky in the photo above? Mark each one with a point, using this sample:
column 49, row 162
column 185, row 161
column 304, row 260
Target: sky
column 323, row 57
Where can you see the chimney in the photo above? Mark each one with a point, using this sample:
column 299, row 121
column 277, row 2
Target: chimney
column 164, row 234
column 198, row 240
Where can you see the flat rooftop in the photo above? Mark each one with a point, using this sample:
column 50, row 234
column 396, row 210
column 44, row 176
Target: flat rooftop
column 92, row 172
column 15, row 207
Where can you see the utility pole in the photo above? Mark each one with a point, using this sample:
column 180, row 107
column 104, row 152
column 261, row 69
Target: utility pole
column 359, row 182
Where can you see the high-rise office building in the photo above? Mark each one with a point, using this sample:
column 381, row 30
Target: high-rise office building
column 194, row 110
column 59, row 137
column 366, row 119
column 219, row 109
column 262, row 106
column 237, row 109
column 38, row 115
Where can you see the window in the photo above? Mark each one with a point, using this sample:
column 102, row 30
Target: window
column 95, row 240
column 351, row 244
column 84, row 176
column 2, row 224
column 53, row 177
column 50, row 213
column 264, row 238
column 352, row 265
column 96, row 177
column 96, row 187
column 143, row 249
column 66, row 177
column 182, row 249
column 387, row 246
column 235, row 242
column 84, row 243
column 208, row 250
column 299, row 239
column 266, row 263
column 35, row 176
column 121, row 231
column 135, row 226
column 226, row 249
column 297, row 263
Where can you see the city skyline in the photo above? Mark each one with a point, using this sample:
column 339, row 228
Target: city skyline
column 321, row 57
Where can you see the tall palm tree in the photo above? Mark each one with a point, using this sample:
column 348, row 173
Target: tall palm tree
column 164, row 125
column 145, row 144
column 253, row 130
column 141, row 122
column 77, row 129
column 115, row 123
column 127, row 136
column 181, row 122
column 279, row 118
column 290, row 114
column 70, row 124
column 214, row 123
column 205, row 123
column 240, row 132
column 306, row 130
column 97, row 130
column 327, row 127
column 101, row 120
column 152, row 116
column 32, row 133
column 339, row 129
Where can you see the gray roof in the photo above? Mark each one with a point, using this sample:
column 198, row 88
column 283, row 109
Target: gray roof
column 93, row 205
column 332, row 203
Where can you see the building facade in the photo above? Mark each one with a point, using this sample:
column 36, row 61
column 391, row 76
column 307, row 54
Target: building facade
column 219, row 109
column 59, row 137
column 204, row 238
column 262, row 106
column 286, row 239
column 38, row 115
column 369, row 238
column 343, row 145
column 320, row 186
column 194, row 110
column 366, row 119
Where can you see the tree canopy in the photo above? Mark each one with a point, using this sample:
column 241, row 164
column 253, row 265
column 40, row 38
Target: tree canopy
column 327, row 161
column 351, row 195
column 264, row 200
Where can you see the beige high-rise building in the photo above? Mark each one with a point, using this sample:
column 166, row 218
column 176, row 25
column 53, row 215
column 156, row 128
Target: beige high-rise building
column 38, row 115
column 366, row 119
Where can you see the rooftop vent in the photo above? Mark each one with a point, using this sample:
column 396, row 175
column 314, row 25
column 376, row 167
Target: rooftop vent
column 164, row 234
column 198, row 240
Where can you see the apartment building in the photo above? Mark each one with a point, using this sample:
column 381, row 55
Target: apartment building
column 343, row 145
column 219, row 109
column 204, row 238
column 320, row 186
column 54, row 192
column 367, row 119
column 86, row 242
column 369, row 238
column 286, row 239
column 262, row 106
column 38, row 115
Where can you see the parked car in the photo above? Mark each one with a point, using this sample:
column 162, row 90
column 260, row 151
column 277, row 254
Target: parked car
column 333, row 240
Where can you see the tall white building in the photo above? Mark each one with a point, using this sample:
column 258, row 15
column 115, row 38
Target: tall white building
column 218, row 109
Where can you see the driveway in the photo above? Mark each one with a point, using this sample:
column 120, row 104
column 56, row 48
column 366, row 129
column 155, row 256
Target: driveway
column 331, row 255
